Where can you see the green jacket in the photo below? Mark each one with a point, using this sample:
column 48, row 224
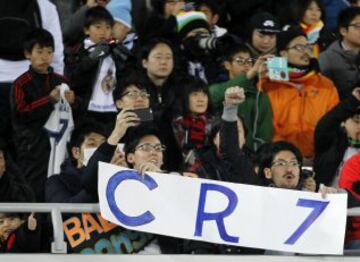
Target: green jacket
column 257, row 115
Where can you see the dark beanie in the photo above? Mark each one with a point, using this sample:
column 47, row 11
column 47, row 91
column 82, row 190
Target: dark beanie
column 264, row 23
column 285, row 37
column 187, row 21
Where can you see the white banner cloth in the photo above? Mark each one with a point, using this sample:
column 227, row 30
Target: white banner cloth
column 224, row 213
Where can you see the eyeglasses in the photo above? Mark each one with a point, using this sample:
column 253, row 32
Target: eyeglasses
column 147, row 147
column 356, row 25
column 301, row 48
column 136, row 94
column 283, row 164
column 243, row 61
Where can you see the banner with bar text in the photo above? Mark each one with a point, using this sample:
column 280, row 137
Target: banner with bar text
column 223, row 213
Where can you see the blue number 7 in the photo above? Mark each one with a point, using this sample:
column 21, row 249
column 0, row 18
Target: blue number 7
column 318, row 206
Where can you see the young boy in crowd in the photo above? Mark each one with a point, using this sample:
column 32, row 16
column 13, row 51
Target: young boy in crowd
column 34, row 94
column 256, row 109
column 212, row 9
column 121, row 12
column 97, row 66
column 19, row 235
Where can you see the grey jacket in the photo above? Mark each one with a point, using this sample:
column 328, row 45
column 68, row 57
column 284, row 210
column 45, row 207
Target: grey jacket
column 341, row 66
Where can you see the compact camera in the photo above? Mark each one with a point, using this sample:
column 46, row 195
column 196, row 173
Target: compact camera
column 278, row 68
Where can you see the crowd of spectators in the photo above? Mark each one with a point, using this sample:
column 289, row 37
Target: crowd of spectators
column 176, row 87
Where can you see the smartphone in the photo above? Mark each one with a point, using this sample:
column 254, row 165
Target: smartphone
column 278, row 68
column 145, row 114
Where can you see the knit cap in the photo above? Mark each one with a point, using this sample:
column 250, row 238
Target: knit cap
column 285, row 37
column 121, row 11
column 187, row 21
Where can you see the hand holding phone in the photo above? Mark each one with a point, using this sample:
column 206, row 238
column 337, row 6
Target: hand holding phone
column 144, row 114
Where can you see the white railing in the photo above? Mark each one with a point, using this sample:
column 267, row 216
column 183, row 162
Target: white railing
column 58, row 245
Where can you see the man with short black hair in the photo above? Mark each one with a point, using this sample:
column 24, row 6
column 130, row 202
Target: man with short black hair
column 212, row 9
column 340, row 62
column 299, row 103
column 280, row 165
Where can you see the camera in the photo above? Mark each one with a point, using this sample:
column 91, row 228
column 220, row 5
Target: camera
column 307, row 172
column 278, row 68
column 111, row 46
column 207, row 42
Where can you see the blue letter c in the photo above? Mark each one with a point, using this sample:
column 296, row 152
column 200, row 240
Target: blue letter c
column 114, row 182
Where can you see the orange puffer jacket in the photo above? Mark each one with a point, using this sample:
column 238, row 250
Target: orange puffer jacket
column 297, row 107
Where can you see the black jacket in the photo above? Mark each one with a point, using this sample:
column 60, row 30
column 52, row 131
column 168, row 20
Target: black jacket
column 232, row 165
column 331, row 140
column 22, row 240
column 31, row 107
column 13, row 188
column 83, row 71
column 66, row 187
column 165, row 102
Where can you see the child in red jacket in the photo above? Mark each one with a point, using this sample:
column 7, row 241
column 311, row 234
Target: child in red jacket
column 18, row 235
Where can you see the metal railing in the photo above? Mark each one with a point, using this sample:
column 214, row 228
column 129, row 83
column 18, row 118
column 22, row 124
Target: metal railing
column 58, row 246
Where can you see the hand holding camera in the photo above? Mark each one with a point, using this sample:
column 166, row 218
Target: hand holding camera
column 99, row 50
column 278, row 68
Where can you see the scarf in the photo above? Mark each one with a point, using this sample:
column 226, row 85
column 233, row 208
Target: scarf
column 300, row 73
column 195, row 131
column 313, row 34
column 353, row 142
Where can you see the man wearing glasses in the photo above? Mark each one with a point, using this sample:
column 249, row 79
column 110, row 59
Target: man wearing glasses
column 280, row 165
column 299, row 103
column 340, row 62
column 256, row 109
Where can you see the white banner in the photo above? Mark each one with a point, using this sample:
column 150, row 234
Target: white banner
column 223, row 213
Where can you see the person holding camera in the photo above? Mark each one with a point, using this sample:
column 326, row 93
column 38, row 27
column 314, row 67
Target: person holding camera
column 199, row 49
column 96, row 66
column 256, row 109
column 300, row 102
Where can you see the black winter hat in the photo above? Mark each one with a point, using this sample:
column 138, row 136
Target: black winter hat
column 264, row 23
column 285, row 37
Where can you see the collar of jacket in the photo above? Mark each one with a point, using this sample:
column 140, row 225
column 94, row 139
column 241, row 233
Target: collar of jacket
column 336, row 47
column 35, row 73
column 256, row 53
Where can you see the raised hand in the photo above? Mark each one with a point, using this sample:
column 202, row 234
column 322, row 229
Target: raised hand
column 32, row 222
column 234, row 95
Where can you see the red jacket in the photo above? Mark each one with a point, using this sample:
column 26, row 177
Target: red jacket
column 350, row 174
